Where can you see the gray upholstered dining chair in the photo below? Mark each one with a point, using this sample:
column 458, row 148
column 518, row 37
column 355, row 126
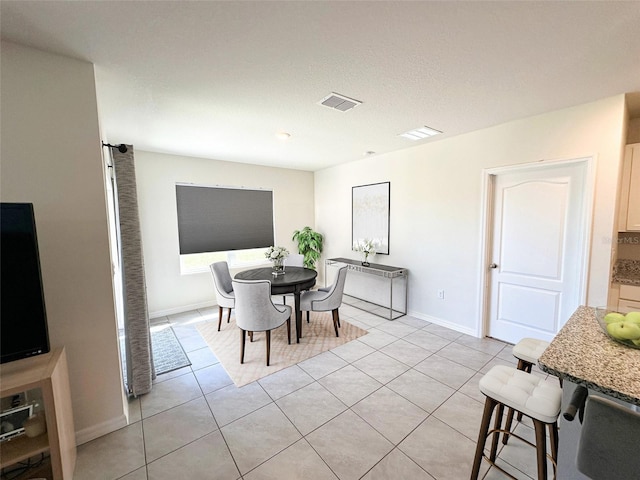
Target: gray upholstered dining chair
column 256, row 312
column 294, row 260
column 327, row 299
column 224, row 289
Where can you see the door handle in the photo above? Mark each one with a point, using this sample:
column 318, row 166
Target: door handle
column 493, row 265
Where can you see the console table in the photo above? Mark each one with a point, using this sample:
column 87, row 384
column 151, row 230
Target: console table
column 394, row 278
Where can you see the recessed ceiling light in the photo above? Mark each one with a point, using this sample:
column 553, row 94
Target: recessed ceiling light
column 420, row 133
column 283, row 136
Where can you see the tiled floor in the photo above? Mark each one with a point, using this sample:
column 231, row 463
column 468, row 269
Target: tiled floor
column 401, row 402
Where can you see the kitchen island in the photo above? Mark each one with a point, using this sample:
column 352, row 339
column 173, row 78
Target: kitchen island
column 582, row 354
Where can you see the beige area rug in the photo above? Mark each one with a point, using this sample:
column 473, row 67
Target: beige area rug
column 318, row 336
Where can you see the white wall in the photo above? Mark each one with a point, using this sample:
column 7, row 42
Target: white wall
column 436, row 202
column 167, row 290
column 51, row 156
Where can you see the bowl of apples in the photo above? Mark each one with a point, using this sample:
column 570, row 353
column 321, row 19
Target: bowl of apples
column 621, row 327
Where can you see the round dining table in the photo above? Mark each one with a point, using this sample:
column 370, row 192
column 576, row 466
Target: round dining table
column 294, row 280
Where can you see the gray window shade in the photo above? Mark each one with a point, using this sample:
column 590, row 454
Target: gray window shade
column 217, row 219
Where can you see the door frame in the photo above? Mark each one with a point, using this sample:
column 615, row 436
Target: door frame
column 486, row 218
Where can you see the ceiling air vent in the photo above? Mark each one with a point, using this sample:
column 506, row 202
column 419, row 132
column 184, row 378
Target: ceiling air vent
column 339, row 102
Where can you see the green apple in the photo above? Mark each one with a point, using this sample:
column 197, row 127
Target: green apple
column 624, row 330
column 636, row 342
column 633, row 317
column 613, row 317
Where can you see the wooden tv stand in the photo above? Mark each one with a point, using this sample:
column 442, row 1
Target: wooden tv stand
column 49, row 373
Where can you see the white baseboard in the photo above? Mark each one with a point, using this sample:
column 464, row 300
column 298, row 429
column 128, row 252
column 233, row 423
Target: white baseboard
column 444, row 323
column 91, row 433
column 184, row 308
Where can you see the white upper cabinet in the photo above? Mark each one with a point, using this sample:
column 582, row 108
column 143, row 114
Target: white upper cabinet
column 629, row 219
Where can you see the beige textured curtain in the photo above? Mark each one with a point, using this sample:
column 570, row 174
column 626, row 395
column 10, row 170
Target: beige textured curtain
column 139, row 360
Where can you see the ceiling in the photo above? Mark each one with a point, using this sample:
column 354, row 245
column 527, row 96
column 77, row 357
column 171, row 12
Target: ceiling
column 218, row 79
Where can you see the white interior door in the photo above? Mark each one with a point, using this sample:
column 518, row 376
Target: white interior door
column 538, row 250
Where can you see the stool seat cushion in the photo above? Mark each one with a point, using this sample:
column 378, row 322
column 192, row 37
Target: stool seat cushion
column 529, row 349
column 523, row 392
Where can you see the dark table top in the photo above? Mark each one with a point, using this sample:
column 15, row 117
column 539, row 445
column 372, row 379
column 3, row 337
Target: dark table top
column 294, row 278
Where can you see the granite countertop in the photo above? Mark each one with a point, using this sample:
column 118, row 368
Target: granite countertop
column 583, row 354
column 626, row 272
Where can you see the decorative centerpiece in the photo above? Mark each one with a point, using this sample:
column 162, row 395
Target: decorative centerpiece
column 623, row 328
column 366, row 247
column 277, row 256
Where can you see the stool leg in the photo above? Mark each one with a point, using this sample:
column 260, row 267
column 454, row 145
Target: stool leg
column 525, row 367
column 553, row 440
column 541, row 449
column 489, row 405
column 496, row 435
column 507, row 427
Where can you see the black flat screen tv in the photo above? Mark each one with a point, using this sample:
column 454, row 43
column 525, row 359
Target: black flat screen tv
column 23, row 317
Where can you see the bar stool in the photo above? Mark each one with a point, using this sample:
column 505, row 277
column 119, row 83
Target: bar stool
column 527, row 351
column 527, row 394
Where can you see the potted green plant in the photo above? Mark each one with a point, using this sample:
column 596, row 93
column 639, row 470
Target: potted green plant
column 309, row 245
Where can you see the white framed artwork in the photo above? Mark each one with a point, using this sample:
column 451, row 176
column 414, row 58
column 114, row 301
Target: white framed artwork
column 370, row 207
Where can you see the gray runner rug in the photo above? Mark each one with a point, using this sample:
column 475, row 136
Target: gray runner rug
column 168, row 354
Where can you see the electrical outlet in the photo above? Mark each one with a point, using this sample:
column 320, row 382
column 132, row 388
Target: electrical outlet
column 441, row 294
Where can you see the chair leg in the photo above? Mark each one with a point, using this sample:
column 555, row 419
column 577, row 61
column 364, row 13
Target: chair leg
column 289, row 330
column 219, row 317
column 489, row 405
column 229, row 316
column 242, row 338
column 251, row 336
column 307, row 316
column 335, row 321
column 268, row 332
column 541, row 449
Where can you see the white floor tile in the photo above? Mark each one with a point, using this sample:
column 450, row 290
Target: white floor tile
column 310, row 407
column 349, row 445
column 111, row 456
column 299, row 461
column 176, row 427
column 169, row 394
column 255, row 438
column 230, row 403
column 397, row 465
column 207, row 457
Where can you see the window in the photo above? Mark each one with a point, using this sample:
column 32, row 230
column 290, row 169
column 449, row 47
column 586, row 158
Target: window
column 223, row 223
